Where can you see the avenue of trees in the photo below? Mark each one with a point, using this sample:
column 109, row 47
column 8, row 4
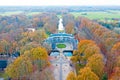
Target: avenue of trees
column 102, row 46
column 88, row 60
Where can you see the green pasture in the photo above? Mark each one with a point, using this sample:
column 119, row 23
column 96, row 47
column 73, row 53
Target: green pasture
column 98, row 15
column 19, row 12
column 32, row 13
column 59, row 16
column 10, row 13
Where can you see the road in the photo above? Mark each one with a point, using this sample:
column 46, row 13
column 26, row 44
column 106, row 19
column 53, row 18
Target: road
column 61, row 67
column 61, row 64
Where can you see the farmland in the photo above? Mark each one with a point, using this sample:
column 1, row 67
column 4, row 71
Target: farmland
column 98, row 15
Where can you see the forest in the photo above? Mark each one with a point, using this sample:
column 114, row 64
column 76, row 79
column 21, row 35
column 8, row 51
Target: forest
column 97, row 56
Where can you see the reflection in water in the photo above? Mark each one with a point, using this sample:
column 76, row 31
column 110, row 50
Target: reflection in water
column 60, row 26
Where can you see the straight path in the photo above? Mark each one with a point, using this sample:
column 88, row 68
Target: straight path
column 61, row 67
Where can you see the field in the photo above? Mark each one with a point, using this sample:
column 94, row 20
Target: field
column 10, row 13
column 98, row 15
column 33, row 13
column 18, row 12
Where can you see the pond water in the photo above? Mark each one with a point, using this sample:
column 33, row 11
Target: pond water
column 68, row 54
column 54, row 54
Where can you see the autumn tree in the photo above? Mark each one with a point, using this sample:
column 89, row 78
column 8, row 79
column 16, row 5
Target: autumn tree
column 1, row 49
column 117, row 64
column 116, row 74
column 103, row 37
column 95, row 62
column 21, row 67
column 98, row 33
column 113, row 58
column 68, row 18
column 71, row 76
column 39, row 57
column 46, row 74
column 28, row 47
column 69, row 28
column 5, row 46
column 87, row 74
column 116, row 49
column 86, row 48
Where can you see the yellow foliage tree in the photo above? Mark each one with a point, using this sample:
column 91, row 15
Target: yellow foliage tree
column 21, row 67
column 39, row 53
column 39, row 57
column 87, row 74
column 86, row 48
column 71, row 76
column 96, row 64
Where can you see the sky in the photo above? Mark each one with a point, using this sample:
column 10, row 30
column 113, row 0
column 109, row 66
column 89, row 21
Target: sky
column 58, row 2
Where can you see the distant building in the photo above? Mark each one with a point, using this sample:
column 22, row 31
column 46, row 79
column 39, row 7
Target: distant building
column 6, row 59
column 62, row 38
column 3, row 61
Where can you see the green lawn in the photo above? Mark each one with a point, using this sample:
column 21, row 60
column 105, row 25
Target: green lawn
column 18, row 12
column 10, row 13
column 61, row 45
column 59, row 16
column 33, row 13
column 98, row 15
column 3, row 75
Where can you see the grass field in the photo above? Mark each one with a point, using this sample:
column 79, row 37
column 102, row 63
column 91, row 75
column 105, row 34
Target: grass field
column 59, row 16
column 98, row 15
column 61, row 45
column 10, row 13
column 33, row 13
column 101, row 15
column 18, row 12
column 3, row 75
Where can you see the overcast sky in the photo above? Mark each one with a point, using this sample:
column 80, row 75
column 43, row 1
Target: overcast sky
column 58, row 2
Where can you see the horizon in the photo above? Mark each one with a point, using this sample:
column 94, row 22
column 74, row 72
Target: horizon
column 60, row 6
column 59, row 3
